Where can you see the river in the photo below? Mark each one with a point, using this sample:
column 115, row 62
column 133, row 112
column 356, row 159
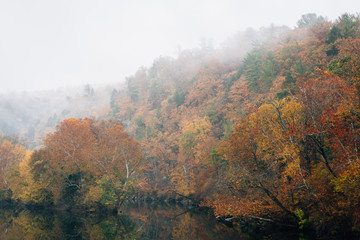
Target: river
column 138, row 221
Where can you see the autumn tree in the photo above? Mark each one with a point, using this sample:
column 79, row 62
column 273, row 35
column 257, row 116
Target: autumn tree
column 265, row 167
column 26, row 187
column 89, row 160
column 11, row 154
column 117, row 157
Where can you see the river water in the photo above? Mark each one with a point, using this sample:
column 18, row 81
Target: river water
column 138, row 221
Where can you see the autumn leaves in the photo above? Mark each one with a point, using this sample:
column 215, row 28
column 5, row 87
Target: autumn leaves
column 274, row 135
column 84, row 161
column 298, row 153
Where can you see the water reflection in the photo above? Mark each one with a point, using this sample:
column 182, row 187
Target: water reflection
column 137, row 222
column 177, row 222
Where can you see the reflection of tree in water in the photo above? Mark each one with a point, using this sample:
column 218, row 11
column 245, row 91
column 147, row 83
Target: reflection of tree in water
column 112, row 227
column 177, row 222
column 182, row 228
column 28, row 225
column 5, row 222
column 140, row 221
column 71, row 226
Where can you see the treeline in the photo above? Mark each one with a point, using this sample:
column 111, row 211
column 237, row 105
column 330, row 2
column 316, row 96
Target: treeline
column 274, row 135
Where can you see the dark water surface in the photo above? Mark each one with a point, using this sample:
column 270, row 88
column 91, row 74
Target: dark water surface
column 137, row 222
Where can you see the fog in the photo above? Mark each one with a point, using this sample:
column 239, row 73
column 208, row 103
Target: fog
column 53, row 44
column 64, row 59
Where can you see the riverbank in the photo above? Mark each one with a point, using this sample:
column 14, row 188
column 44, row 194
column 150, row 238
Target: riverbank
column 139, row 220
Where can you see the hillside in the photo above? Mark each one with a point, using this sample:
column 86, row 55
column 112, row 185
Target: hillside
column 274, row 134
column 266, row 126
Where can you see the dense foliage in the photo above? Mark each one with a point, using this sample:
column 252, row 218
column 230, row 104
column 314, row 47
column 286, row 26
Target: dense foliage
column 84, row 162
column 275, row 135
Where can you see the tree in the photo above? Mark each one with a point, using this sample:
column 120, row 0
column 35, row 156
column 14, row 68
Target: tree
column 268, row 169
column 113, row 102
column 346, row 26
column 117, row 157
column 251, row 68
column 10, row 156
column 89, row 160
column 308, row 20
column 26, row 187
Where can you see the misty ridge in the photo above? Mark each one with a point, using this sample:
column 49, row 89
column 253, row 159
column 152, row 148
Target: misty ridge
column 29, row 116
column 261, row 132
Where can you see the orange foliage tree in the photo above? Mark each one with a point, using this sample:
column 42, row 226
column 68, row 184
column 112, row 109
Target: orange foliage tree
column 94, row 161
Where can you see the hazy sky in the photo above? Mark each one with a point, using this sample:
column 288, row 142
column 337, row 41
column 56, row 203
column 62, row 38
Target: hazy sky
column 46, row 44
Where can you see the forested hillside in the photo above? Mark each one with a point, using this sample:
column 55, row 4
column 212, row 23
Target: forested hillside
column 274, row 134
column 265, row 126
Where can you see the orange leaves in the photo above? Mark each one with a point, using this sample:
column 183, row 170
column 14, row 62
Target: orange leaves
column 264, row 159
column 114, row 148
column 91, row 146
column 82, row 151
column 331, row 107
column 207, row 86
column 298, row 151
column 230, row 205
column 71, row 145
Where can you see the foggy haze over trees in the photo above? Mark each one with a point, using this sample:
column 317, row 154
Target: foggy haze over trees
column 48, row 45
column 263, row 126
column 31, row 115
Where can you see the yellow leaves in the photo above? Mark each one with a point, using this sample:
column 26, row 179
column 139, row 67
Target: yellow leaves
column 281, row 114
column 93, row 195
column 194, row 133
column 10, row 156
column 182, row 180
column 292, row 169
column 25, row 188
column 348, row 182
column 264, row 153
column 281, row 124
column 197, row 126
column 27, row 227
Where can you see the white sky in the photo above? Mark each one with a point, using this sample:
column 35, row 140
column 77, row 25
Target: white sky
column 48, row 44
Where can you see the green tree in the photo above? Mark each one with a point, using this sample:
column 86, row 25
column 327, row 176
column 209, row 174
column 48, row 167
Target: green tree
column 308, row 20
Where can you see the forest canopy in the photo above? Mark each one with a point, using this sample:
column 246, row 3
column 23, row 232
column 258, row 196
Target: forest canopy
column 268, row 132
